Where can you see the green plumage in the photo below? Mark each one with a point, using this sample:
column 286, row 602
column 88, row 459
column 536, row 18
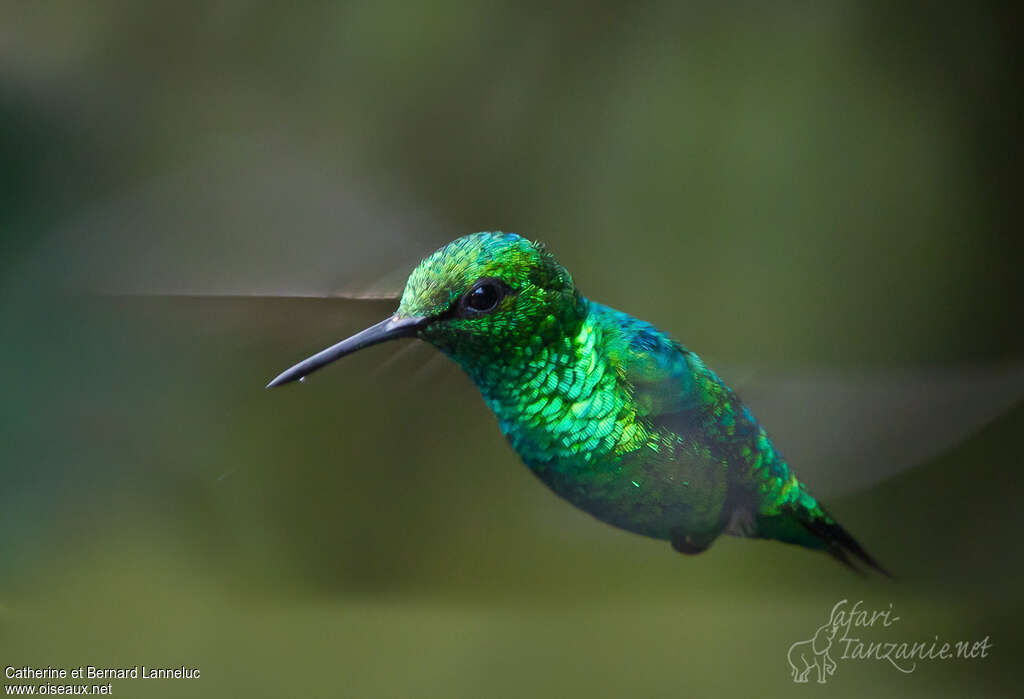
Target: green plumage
column 611, row 413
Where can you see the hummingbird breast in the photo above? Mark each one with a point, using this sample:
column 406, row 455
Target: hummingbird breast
column 571, row 412
column 564, row 408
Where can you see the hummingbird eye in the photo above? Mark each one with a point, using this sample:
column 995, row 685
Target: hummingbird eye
column 483, row 297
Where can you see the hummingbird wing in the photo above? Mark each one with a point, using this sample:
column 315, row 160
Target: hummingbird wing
column 846, row 430
column 250, row 219
column 843, row 431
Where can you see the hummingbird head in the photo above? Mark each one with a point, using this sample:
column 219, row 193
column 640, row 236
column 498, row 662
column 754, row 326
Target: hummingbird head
column 483, row 299
column 491, row 295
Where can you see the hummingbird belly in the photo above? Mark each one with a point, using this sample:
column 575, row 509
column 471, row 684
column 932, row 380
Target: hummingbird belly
column 660, row 500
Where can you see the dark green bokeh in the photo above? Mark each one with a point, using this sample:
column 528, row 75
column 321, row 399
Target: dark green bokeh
column 821, row 184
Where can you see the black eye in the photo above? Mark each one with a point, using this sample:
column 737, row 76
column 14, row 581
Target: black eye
column 483, row 297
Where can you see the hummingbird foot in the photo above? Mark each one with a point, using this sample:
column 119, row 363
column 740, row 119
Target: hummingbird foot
column 690, row 544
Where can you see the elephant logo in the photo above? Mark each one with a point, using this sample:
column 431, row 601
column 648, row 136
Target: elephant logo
column 804, row 656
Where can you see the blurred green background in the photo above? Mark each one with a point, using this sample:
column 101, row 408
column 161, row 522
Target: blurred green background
column 806, row 186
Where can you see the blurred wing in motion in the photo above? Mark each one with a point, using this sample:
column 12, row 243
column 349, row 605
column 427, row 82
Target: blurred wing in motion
column 845, row 431
column 251, row 220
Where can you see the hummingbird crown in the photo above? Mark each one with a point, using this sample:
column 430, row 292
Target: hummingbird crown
column 495, row 298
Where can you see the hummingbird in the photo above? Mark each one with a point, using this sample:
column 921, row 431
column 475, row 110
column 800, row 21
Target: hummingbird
column 611, row 413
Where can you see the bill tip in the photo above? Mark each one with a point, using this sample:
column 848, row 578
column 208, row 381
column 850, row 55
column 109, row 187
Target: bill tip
column 277, row 381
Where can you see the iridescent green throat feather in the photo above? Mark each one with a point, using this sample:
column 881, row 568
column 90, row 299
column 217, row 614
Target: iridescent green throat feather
column 607, row 410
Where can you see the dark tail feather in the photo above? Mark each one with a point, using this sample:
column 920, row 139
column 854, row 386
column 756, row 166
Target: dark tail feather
column 816, row 529
column 840, row 555
column 838, row 542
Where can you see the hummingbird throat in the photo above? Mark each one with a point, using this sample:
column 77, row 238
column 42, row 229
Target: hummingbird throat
column 558, row 402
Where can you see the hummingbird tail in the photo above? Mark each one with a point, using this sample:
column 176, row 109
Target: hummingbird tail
column 839, row 543
column 814, row 528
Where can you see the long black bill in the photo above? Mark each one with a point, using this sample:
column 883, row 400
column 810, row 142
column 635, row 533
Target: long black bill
column 388, row 329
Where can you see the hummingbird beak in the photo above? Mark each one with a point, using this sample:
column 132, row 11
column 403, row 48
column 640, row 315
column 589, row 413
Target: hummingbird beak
column 388, row 329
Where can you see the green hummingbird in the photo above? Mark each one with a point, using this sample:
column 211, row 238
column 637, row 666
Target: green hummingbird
column 608, row 411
